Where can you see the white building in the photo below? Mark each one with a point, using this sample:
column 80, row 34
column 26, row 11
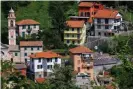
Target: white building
column 107, row 22
column 42, row 63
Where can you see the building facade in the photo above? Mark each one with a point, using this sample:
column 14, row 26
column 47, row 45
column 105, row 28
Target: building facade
column 89, row 9
column 27, row 27
column 107, row 22
column 20, row 28
column 29, row 47
column 75, row 33
column 82, row 60
column 42, row 63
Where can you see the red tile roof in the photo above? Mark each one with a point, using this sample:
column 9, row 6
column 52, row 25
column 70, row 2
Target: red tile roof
column 85, row 4
column 27, row 22
column 75, row 24
column 90, row 20
column 48, row 54
column 31, row 43
column 40, row 80
column 106, row 13
column 80, row 49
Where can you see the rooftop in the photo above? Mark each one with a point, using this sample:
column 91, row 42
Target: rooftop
column 19, row 66
column 85, row 4
column 31, row 43
column 27, row 22
column 106, row 13
column 75, row 23
column 48, row 54
column 80, row 49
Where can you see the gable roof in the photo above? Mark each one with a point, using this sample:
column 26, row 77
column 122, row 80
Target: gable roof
column 106, row 13
column 48, row 54
column 75, row 23
column 31, row 43
column 85, row 4
column 27, row 22
column 3, row 46
column 80, row 49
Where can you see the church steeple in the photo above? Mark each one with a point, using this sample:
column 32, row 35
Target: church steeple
column 12, row 27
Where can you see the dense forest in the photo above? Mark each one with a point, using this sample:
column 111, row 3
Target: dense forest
column 51, row 14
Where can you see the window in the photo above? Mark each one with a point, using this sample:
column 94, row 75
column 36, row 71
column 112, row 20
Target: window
column 81, row 14
column 39, row 66
column 31, row 53
column 40, row 75
column 25, row 48
column 49, row 59
column 104, row 34
column 88, row 14
column 72, row 29
column 73, row 42
column 26, row 60
column 99, row 33
column 39, row 60
column 16, row 54
column 115, row 27
column 78, row 42
column 23, row 27
column 11, row 36
column 67, row 41
column 67, row 35
column 28, row 26
column 99, row 26
column 56, row 60
column 32, row 66
column 37, row 48
column 31, row 48
column 34, row 26
column 72, row 35
column 11, row 23
column 25, row 54
column 32, row 60
column 49, row 66
column 98, row 20
column 78, row 29
column 23, row 34
column 106, row 21
column 106, row 27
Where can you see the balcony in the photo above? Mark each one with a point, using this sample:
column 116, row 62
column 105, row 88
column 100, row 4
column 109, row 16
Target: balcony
column 73, row 32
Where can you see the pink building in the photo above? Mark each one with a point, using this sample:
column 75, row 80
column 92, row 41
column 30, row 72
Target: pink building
column 82, row 60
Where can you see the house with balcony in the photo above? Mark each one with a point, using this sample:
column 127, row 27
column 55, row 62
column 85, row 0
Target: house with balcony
column 42, row 63
column 88, row 9
column 75, row 33
column 29, row 47
column 82, row 60
column 107, row 22
column 27, row 27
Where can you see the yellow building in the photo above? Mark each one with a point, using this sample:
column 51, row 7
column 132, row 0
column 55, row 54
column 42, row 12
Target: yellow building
column 76, row 33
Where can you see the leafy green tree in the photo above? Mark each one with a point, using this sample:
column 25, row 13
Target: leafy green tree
column 61, row 78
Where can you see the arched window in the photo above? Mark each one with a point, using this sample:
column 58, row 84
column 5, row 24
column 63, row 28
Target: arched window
column 11, row 23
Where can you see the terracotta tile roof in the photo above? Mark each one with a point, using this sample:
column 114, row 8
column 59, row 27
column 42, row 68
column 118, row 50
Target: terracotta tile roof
column 85, row 4
column 40, row 80
column 27, row 22
column 48, row 54
column 31, row 43
column 80, row 49
column 75, row 24
column 106, row 13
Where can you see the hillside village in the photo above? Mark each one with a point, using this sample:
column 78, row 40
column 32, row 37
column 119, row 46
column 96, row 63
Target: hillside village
column 82, row 36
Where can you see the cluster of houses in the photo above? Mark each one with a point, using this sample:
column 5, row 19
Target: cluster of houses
column 94, row 19
column 30, row 54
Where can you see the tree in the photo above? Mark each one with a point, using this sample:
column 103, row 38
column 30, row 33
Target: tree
column 61, row 78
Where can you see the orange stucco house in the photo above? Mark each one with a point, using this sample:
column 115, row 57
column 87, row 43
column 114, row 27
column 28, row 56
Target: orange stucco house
column 82, row 60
